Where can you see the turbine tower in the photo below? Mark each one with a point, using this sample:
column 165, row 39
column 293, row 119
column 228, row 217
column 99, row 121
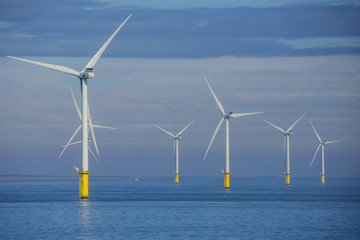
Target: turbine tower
column 226, row 117
column 322, row 144
column 287, row 134
column 176, row 148
column 84, row 75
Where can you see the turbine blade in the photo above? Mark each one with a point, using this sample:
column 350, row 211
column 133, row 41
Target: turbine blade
column 315, row 154
column 51, row 66
column 278, row 128
column 73, row 143
column 76, row 106
column 235, row 115
column 68, row 143
column 216, row 99
column 169, row 133
column 184, row 129
column 92, row 131
column 317, row 135
column 292, row 126
column 212, row 139
column 328, row 142
column 100, row 126
column 93, row 154
column 94, row 60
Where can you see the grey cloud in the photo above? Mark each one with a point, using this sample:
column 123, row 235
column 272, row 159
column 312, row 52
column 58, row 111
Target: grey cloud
column 186, row 33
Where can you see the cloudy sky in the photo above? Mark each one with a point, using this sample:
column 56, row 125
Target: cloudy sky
column 281, row 57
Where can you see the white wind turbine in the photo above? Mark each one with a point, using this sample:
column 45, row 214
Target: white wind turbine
column 91, row 127
column 322, row 144
column 287, row 134
column 84, row 75
column 176, row 148
column 226, row 117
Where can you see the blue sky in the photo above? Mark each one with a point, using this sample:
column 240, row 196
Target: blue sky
column 280, row 58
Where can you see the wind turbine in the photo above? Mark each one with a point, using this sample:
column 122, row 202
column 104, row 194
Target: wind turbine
column 226, row 117
column 84, row 75
column 322, row 144
column 176, row 148
column 287, row 134
column 91, row 127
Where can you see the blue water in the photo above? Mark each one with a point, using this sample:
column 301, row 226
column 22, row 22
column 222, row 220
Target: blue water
column 195, row 209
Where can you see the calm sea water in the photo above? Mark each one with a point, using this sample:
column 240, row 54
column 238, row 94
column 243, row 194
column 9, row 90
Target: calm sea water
column 195, row 209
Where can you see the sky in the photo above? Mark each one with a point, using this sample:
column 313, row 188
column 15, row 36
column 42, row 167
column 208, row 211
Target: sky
column 283, row 58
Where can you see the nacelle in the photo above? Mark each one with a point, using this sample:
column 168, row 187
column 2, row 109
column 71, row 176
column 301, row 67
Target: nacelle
column 87, row 73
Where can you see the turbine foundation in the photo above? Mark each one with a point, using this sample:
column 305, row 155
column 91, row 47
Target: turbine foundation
column 83, row 185
column 176, row 178
column 288, row 179
column 227, row 180
column 323, row 178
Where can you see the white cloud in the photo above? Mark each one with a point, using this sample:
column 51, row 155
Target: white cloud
column 5, row 24
column 322, row 42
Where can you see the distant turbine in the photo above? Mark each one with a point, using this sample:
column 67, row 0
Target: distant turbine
column 322, row 144
column 84, row 75
column 287, row 134
column 176, row 148
column 225, row 117
column 91, row 126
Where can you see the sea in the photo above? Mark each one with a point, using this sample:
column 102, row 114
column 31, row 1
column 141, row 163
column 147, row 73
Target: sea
column 194, row 209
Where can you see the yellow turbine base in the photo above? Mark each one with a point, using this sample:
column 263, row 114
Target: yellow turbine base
column 288, row 179
column 176, row 178
column 83, row 185
column 322, row 178
column 227, row 180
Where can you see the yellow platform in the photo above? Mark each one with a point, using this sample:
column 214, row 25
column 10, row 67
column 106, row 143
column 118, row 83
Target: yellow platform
column 288, row 179
column 176, row 178
column 227, row 180
column 83, row 185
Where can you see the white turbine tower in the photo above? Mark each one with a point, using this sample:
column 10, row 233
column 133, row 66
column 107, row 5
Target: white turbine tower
column 84, row 75
column 226, row 117
column 322, row 145
column 176, row 148
column 91, row 127
column 287, row 134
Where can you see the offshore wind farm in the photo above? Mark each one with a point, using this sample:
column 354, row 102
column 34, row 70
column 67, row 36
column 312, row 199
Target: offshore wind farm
column 170, row 62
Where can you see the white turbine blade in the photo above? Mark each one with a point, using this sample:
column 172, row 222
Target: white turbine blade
column 316, row 132
column 216, row 99
column 73, row 143
column 68, row 143
column 100, row 126
column 278, row 128
column 51, row 66
column 235, row 115
column 92, row 131
column 292, row 126
column 315, row 154
column 169, row 133
column 328, row 142
column 212, row 139
column 76, row 106
column 93, row 154
column 184, row 129
column 94, row 60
